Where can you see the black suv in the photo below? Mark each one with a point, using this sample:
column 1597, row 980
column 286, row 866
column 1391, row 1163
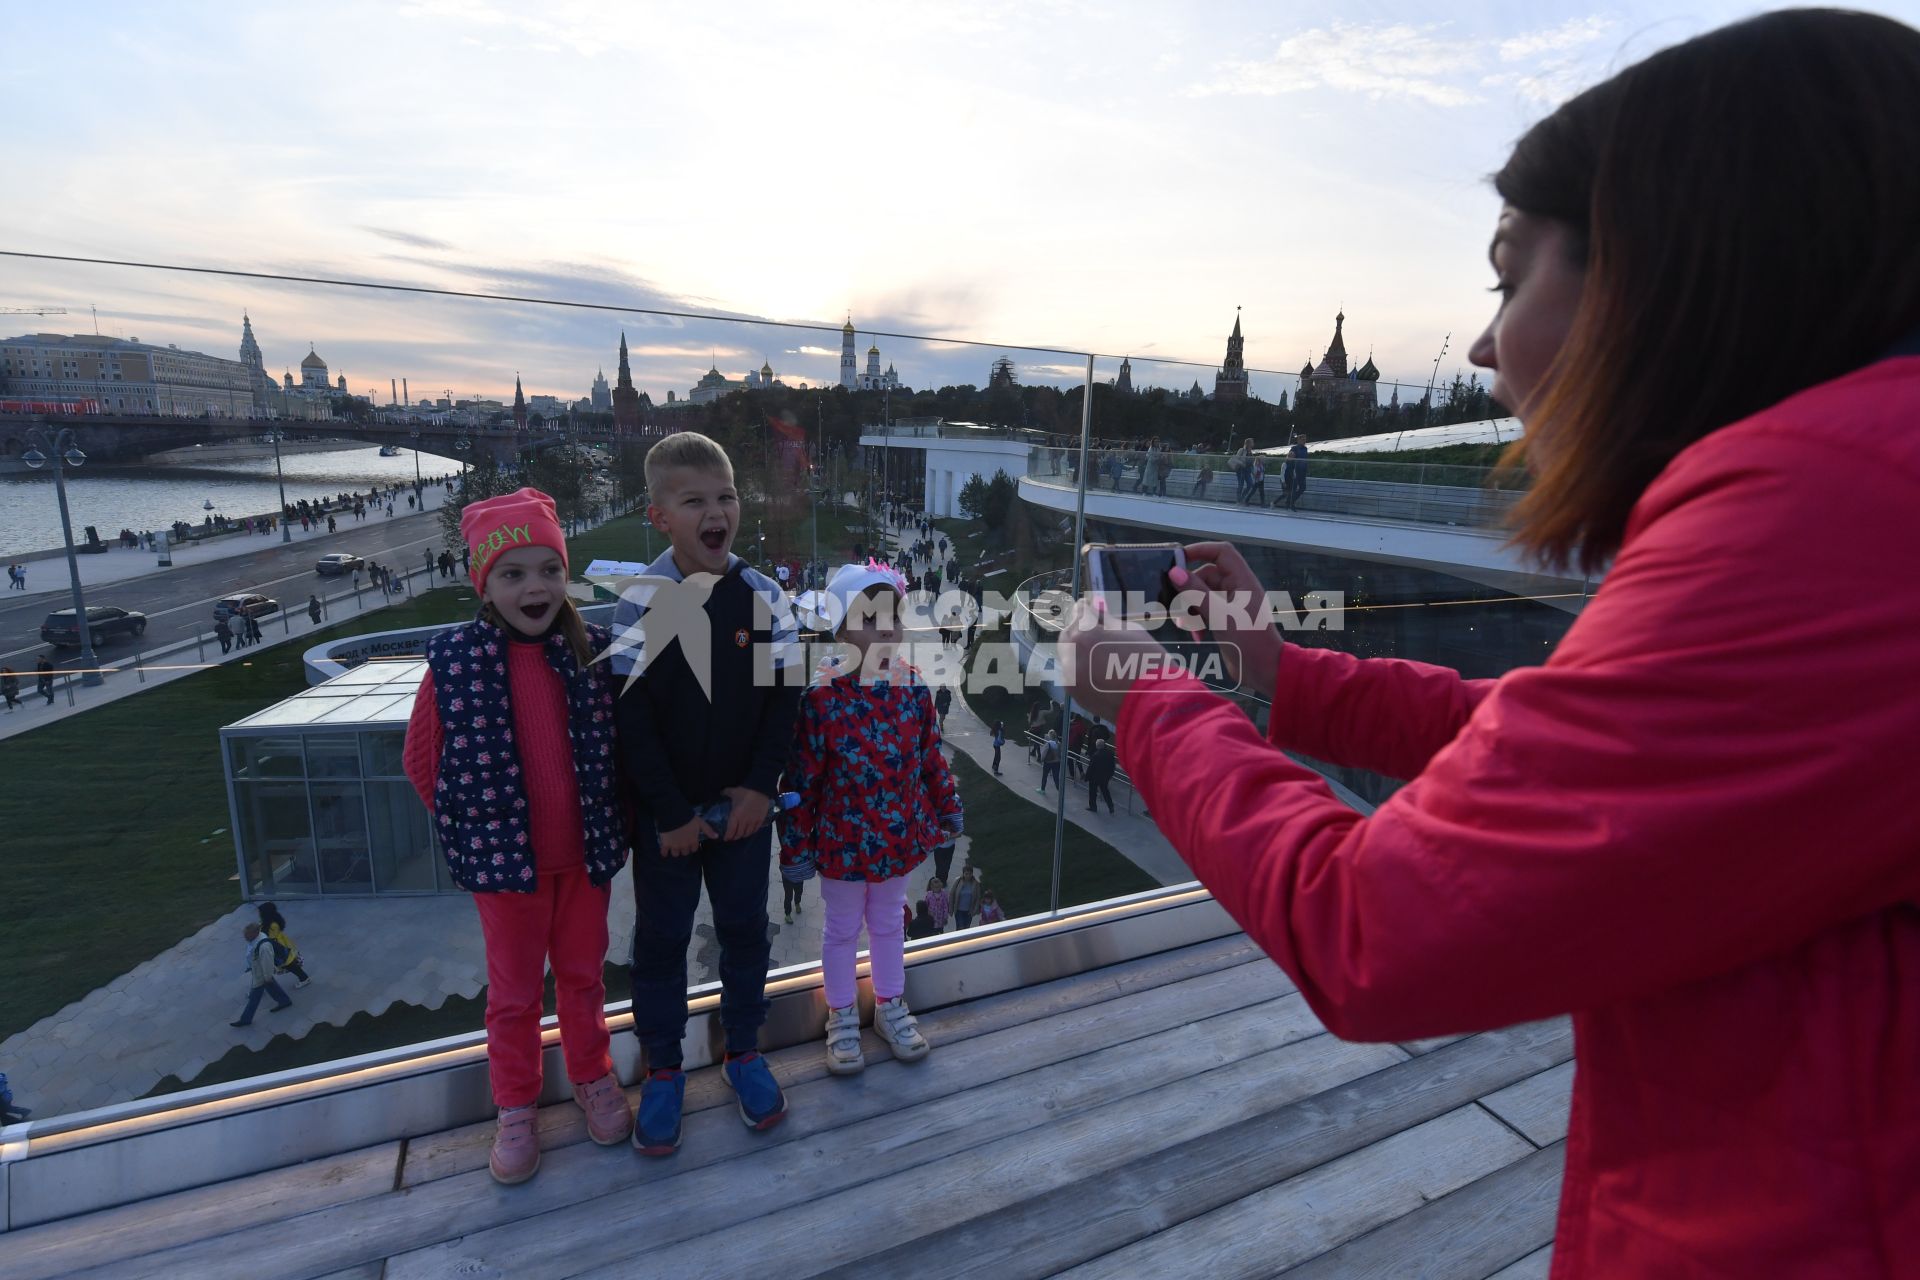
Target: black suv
column 103, row 623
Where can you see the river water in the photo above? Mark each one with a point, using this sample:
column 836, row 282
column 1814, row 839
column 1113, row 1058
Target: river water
column 153, row 497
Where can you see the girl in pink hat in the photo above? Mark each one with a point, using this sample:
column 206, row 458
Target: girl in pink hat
column 511, row 747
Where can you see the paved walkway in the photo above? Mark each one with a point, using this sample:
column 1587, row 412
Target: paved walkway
column 47, row 575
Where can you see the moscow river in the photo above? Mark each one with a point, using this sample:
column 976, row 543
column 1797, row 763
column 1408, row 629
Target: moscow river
column 154, row 496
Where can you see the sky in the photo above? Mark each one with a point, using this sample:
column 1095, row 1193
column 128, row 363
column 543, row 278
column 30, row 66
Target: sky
column 1105, row 178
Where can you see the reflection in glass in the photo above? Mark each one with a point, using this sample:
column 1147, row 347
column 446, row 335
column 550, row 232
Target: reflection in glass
column 403, row 851
column 276, row 837
column 340, row 837
column 332, row 755
column 266, row 757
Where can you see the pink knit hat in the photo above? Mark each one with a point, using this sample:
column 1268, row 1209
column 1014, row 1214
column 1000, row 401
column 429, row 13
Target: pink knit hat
column 524, row 518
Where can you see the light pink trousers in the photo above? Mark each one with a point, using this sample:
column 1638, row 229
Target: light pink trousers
column 879, row 904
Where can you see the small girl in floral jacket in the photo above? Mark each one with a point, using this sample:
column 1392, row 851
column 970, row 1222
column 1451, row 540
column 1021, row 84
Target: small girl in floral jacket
column 875, row 796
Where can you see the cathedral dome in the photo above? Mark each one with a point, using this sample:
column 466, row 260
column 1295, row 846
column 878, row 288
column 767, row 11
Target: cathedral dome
column 313, row 360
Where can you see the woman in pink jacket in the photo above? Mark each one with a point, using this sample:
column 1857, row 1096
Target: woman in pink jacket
column 1692, row 828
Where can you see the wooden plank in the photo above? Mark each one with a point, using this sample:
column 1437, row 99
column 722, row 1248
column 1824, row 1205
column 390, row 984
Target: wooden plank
column 365, row 1271
column 1315, row 1211
column 929, row 1181
column 1534, row 1266
column 1418, row 1047
column 453, row 1206
column 889, row 1142
column 1480, row 1228
column 112, row 1235
column 1162, row 1187
column 1536, row 1106
column 464, row 1149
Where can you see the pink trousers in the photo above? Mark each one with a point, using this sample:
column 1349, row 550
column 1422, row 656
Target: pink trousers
column 565, row 921
column 848, row 902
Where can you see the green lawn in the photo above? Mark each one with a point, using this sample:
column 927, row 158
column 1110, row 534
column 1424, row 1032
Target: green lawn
column 115, row 820
column 1012, row 848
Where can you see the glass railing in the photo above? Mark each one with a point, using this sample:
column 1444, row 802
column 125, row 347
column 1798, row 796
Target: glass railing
column 127, row 809
column 1422, row 493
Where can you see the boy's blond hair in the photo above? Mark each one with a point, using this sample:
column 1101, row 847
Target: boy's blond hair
column 687, row 450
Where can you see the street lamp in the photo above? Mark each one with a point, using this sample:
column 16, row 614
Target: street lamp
column 414, row 432
column 65, row 453
column 286, row 534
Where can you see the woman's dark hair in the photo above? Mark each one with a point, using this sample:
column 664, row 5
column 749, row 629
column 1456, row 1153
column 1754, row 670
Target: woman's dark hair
column 1747, row 207
column 270, row 916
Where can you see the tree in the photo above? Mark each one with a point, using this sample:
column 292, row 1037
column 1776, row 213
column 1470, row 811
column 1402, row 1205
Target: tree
column 486, row 478
column 988, row 501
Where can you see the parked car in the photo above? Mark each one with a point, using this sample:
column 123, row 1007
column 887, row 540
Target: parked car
column 103, row 623
column 245, row 606
column 335, row 563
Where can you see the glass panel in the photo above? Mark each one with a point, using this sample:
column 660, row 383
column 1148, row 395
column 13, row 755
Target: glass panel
column 333, row 755
column 380, row 753
column 265, row 757
column 276, row 838
column 340, row 837
column 403, row 852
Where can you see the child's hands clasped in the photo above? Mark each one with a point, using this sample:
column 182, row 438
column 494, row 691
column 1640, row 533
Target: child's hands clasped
column 749, row 813
column 683, row 840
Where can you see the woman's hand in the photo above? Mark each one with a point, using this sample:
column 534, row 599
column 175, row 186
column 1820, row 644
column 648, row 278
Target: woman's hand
column 1101, row 657
column 1252, row 654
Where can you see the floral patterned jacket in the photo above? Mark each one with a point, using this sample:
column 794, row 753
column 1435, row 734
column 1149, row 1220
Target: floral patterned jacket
column 874, row 788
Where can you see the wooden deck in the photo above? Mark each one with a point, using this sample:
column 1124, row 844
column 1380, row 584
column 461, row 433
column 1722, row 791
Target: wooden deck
column 1182, row 1114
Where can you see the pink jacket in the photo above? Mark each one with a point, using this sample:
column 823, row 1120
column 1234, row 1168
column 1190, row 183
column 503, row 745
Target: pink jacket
column 1692, row 828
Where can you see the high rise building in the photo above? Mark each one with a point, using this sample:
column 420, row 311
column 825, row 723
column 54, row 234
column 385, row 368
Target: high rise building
column 626, row 399
column 1230, row 383
column 602, row 394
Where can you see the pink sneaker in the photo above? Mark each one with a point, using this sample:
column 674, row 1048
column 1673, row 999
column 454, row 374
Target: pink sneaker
column 609, row 1118
column 516, row 1146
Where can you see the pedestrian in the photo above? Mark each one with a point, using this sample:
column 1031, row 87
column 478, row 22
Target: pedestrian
column 793, row 887
column 331, row 526
column 1100, row 767
column 965, row 898
column 10, row 687
column 1076, row 743
column 252, row 624
column 999, row 741
column 1241, row 464
column 1036, row 728
column 286, row 956
column 1205, row 479
column 223, row 631
column 428, row 553
column 1293, row 475
column 1050, row 760
column 990, row 912
column 313, row 608
column 938, row 905
column 922, row 925
column 10, row 1111
column 942, row 703
column 44, row 672
column 1257, row 483
column 260, row 981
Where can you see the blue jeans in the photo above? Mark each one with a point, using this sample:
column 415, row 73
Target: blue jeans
column 280, row 1000
column 666, row 891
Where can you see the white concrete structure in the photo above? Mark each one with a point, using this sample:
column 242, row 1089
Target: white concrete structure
column 955, row 457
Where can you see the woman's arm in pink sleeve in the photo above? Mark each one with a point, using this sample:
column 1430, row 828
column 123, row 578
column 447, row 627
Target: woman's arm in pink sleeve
column 421, row 755
column 1386, row 715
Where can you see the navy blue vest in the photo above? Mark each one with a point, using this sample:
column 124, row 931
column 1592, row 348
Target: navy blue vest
column 479, row 801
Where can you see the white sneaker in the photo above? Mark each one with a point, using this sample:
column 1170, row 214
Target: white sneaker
column 844, row 1057
column 303, row 982
column 894, row 1021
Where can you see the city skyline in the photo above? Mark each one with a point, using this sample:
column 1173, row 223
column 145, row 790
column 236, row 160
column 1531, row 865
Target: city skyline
column 1119, row 180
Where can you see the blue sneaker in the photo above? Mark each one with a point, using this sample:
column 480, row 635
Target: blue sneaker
column 762, row 1104
column 656, row 1130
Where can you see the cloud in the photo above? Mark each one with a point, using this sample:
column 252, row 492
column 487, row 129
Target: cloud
column 407, row 238
column 1378, row 59
column 1570, row 34
column 1418, row 63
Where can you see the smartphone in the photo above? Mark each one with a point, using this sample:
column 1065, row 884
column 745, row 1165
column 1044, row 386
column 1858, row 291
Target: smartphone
column 1131, row 576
